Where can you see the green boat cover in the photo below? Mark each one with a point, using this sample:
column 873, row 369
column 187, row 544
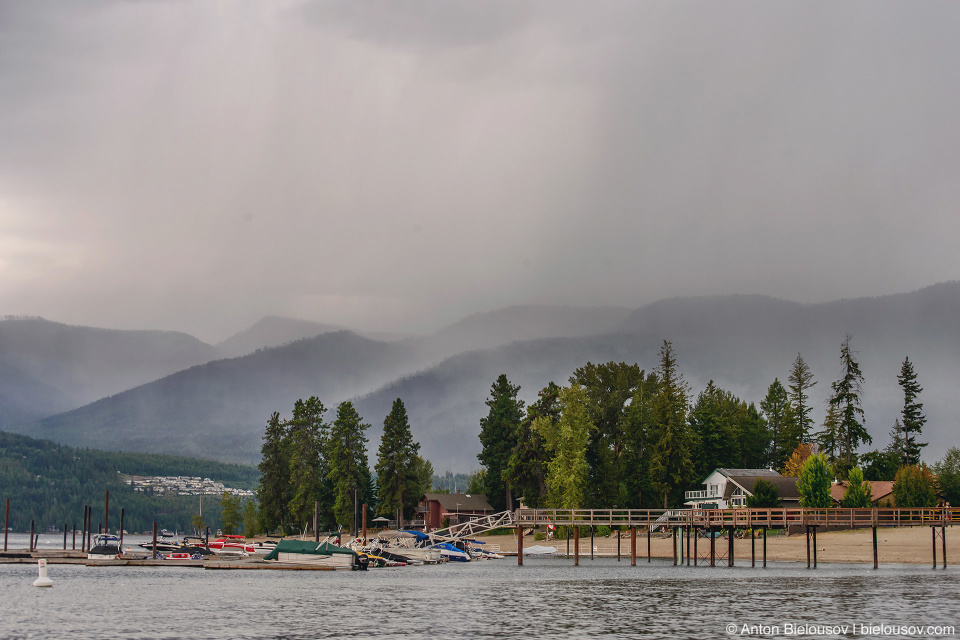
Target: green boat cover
column 307, row 548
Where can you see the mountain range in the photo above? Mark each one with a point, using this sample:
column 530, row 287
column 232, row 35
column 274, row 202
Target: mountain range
column 164, row 392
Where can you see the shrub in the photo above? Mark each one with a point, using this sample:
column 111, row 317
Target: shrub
column 915, row 487
column 814, row 484
column 765, row 495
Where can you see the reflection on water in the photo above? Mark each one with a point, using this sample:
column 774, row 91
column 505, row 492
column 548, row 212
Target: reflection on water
column 546, row 598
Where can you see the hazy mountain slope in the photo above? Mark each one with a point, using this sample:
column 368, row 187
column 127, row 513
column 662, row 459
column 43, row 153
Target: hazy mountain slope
column 23, row 398
column 219, row 409
column 65, row 366
column 528, row 322
column 271, row 331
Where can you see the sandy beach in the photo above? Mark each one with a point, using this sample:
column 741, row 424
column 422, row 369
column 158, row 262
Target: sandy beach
column 911, row 545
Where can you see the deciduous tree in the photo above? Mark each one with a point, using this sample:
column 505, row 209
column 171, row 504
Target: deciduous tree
column 815, row 480
column 857, row 494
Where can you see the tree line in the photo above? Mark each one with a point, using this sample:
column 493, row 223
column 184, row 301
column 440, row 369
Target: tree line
column 309, row 462
column 618, row 436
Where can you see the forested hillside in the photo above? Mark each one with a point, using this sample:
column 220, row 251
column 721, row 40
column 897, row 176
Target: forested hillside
column 50, row 483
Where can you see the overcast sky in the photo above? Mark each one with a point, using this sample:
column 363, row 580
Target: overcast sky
column 397, row 165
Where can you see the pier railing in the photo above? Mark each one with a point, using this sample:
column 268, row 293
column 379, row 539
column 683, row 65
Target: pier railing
column 740, row 518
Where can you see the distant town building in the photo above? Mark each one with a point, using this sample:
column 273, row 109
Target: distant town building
column 183, row 486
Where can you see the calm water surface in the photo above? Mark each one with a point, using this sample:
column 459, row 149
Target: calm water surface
column 546, row 598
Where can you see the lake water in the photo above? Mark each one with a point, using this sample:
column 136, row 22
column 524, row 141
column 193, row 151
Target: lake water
column 546, row 598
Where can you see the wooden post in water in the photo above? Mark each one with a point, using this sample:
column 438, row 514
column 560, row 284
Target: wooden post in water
column 764, row 546
column 576, row 545
column 364, row 524
column 933, row 533
column 568, row 543
column 934, row 546
column 316, row 510
column 753, row 549
column 154, row 556
column 875, row 564
column 520, row 546
column 673, row 539
column 689, row 529
column 591, row 540
column 648, row 541
column 618, row 545
column 206, row 541
column 89, row 526
column 696, row 554
column 730, row 531
column 64, row 536
column 74, row 546
column 808, row 547
column 106, row 514
column 6, row 526
column 943, row 538
column 814, row 546
column 121, row 529
column 713, row 548
column 633, row 546
column 83, row 530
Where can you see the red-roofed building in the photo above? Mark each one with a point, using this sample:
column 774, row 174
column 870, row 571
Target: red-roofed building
column 881, row 492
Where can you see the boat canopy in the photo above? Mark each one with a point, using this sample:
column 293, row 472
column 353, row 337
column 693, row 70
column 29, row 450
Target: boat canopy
column 307, row 548
column 419, row 535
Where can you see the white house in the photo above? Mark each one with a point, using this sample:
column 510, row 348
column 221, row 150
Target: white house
column 718, row 495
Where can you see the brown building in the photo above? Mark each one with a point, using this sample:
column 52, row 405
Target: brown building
column 881, row 492
column 456, row 508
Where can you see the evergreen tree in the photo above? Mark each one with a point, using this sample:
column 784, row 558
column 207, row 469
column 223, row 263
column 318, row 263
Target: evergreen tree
column 527, row 468
column 781, row 425
column 567, row 439
column 349, row 472
column 879, row 465
column 309, row 466
column 230, row 516
column 714, row 428
column 846, row 398
column 397, row 464
column 857, row 494
column 498, row 437
column 273, row 494
column 912, row 414
column 801, row 379
column 828, row 438
column 753, row 437
column 608, row 387
column 670, row 465
column 765, row 495
column 640, row 437
column 250, row 519
column 814, row 484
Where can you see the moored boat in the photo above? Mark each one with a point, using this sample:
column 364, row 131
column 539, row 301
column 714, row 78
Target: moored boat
column 317, row 554
column 107, row 547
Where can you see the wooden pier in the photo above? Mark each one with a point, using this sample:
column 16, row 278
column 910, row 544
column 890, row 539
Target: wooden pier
column 694, row 523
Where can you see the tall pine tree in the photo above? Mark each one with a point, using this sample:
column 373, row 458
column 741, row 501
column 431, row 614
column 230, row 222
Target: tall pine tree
column 398, row 464
column 349, row 472
column 308, row 464
column 273, row 493
column 846, row 398
column 801, row 380
column 781, row 425
column 912, row 415
column 670, row 465
column 498, row 437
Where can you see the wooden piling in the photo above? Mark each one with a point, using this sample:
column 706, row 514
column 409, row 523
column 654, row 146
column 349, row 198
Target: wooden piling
column 814, row 547
column 673, row 536
column 591, row 541
column 83, row 530
column 121, row 529
column 730, row 531
column 316, row 511
column 943, row 538
column 89, row 526
column 689, row 529
column 206, row 542
column 764, row 547
column 934, row 547
column 933, row 533
column 365, row 524
column 74, row 545
column 648, row 541
column 875, row 563
column 106, row 513
column 6, row 526
column 753, row 549
column 520, row 546
column 633, row 546
column 576, row 545
column 696, row 554
column 808, row 547
column 713, row 548
column 618, row 544
column 64, row 536
column 154, row 556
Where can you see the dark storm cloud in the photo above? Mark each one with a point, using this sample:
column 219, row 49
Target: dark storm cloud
column 398, row 165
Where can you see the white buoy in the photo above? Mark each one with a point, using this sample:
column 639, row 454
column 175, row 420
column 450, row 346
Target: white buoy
column 43, row 580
